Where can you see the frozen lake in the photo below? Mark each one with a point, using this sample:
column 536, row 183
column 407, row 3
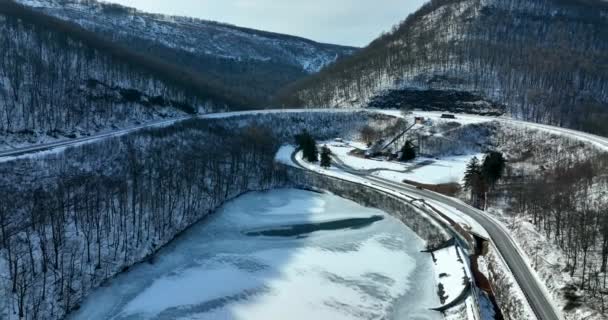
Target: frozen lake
column 283, row 254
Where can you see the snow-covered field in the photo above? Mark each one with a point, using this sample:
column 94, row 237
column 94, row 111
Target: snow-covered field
column 437, row 171
column 216, row 271
column 422, row 170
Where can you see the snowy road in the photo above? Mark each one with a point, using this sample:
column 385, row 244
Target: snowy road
column 538, row 297
column 71, row 142
column 598, row 141
column 21, row 151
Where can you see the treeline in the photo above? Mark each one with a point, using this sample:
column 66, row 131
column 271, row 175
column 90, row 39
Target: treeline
column 556, row 183
column 481, row 176
column 57, row 77
column 71, row 220
column 559, row 188
column 561, row 205
column 546, row 60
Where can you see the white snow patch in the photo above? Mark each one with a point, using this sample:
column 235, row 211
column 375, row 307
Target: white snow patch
column 436, row 116
column 451, row 272
column 284, row 155
column 438, row 171
column 423, row 170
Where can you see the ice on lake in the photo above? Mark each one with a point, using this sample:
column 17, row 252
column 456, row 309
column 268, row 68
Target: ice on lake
column 217, row 270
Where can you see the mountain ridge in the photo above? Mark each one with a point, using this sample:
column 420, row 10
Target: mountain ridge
column 256, row 63
column 541, row 60
column 60, row 81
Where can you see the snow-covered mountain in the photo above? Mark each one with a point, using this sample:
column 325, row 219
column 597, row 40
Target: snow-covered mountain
column 540, row 60
column 58, row 80
column 257, row 62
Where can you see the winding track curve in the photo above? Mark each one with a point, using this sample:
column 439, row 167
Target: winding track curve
column 536, row 294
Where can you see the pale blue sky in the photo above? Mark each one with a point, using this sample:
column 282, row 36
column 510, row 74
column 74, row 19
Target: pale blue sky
column 348, row 22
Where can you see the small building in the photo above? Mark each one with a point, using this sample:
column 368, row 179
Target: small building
column 448, row 116
column 419, row 120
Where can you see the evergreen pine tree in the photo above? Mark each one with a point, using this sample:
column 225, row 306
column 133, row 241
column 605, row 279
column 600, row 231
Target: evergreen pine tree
column 408, row 152
column 308, row 145
column 311, row 153
column 325, row 157
column 472, row 173
column 473, row 181
column 493, row 167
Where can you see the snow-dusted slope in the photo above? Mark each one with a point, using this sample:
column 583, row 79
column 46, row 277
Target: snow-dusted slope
column 541, row 60
column 195, row 36
column 256, row 63
column 59, row 81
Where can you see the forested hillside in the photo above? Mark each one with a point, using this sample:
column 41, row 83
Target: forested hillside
column 71, row 220
column 59, row 80
column 250, row 63
column 539, row 60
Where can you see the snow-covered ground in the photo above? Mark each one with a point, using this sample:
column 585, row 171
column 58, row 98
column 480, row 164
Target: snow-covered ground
column 284, row 155
column 436, row 116
column 462, row 219
column 451, row 272
column 435, row 171
column 422, row 170
column 550, row 264
column 341, row 150
column 216, row 271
